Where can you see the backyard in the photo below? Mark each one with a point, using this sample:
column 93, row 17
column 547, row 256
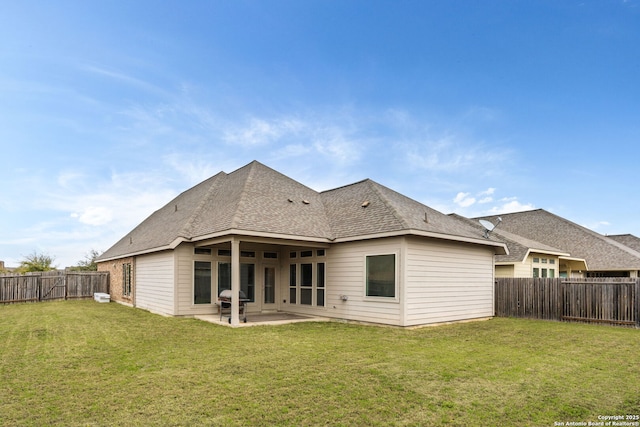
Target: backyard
column 79, row 363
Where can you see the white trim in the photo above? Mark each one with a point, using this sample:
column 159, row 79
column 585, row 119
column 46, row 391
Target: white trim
column 315, row 242
column 396, row 297
column 193, row 283
column 413, row 232
column 542, row 252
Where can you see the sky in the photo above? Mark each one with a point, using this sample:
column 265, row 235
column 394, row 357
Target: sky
column 109, row 109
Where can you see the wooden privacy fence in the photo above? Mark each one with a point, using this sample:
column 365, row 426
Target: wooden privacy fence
column 52, row 285
column 614, row 301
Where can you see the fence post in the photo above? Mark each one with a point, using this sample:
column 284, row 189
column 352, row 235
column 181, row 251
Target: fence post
column 637, row 307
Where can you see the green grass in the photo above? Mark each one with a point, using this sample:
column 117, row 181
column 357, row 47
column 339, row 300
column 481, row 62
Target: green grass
column 83, row 363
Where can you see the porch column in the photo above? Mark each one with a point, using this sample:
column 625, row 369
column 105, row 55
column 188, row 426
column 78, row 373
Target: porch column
column 235, row 281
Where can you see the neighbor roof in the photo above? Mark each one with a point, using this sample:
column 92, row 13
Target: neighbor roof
column 519, row 247
column 600, row 252
column 627, row 239
column 256, row 199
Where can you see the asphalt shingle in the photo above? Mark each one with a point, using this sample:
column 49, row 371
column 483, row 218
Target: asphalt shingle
column 256, row 198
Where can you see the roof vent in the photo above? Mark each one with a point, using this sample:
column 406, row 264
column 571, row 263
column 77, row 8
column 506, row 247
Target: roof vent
column 290, row 200
column 365, row 203
column 306, row 202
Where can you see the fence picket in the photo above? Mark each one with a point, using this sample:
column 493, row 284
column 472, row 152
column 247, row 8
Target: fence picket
column 45, row 286
column 612, row 301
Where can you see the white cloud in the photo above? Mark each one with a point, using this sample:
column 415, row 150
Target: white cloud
column 261, row 131
column 510, row 205
column 124, row 78
column 94, row 215
column 464, row 200
column 334, row 144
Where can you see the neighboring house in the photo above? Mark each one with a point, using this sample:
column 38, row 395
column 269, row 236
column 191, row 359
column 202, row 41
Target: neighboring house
column 360, row 252
column 528, row 258
column 628, row 240
column 604, row 256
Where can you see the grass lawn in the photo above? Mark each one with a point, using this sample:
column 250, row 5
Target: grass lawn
column 82, row 363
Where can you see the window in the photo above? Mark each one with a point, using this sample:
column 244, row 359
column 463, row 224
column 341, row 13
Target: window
column 202, row 282
column 269, row 285
column 536, row 272
column 536, row 260
column 552, row 273
column 202, row 251
column 552, row 261
column 270, row 255
column 126, row 279
column 247, row 254
column 306, row 284
column 293, row 254
column 320, row 252
column 307, row 279
column 544, row 260
column 292, row 284
column 320, row 285
column 381, row 276
column 544, row 272
column 224, row 252
column 247, row 279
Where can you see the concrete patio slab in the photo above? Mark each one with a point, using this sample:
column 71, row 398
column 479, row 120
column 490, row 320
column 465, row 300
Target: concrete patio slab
column 258, row 319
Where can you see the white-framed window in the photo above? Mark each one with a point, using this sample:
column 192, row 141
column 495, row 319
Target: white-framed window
column 126, row 279
column 381, row 276
column 202, row 282
column 293, row 283
column 320, row 284
column 247, row 279
column 307, row 278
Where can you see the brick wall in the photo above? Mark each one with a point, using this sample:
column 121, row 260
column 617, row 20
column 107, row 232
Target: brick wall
column 115, row 269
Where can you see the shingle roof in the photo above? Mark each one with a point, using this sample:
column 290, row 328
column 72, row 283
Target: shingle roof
column 627, row 239
column 600, row 252
column 258, row 199
column 519, row 246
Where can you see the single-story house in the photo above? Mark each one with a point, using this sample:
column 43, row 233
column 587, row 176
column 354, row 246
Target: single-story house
column 529, row 258
column 592, row 254
column 361, row 252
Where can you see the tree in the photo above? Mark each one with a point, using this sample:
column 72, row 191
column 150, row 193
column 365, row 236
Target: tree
column 36, row 262
column 89, row 263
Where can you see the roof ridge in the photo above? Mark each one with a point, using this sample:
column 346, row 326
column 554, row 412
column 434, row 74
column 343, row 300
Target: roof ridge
column 376, row 188
column 185, row 231
column 345, row 186
column 235, row 220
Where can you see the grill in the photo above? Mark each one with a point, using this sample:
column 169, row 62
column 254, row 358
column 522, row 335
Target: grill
column 224, row 300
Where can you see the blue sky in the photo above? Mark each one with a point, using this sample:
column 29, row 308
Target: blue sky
column 110, row 109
